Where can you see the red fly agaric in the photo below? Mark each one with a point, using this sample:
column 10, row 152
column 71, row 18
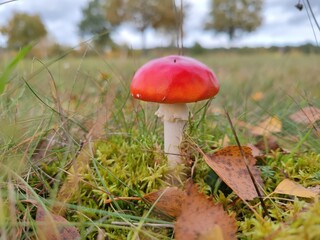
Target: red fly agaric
column 174, row 81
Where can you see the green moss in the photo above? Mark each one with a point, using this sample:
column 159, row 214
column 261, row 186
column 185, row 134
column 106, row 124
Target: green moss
column 302, row 221
column 129, row 162
column 120, row 169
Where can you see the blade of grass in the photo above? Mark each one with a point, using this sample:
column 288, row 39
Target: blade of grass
column 9, row 1
column 4, row 77
column 55, row 111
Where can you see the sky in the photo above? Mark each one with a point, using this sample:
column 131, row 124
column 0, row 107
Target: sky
column 282, row 24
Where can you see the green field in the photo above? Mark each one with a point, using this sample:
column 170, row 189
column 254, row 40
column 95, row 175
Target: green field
column 48, row 111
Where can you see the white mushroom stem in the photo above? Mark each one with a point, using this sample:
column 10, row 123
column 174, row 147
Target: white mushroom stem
column 174, row 117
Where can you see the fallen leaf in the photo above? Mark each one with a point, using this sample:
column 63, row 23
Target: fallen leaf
column 307, row 115
column 256, row 152
column 215, row 233
column 267, row 144
column 257, row 96
column 229, row 165
column 54, row 227
column 200, row 218
column 315, row 189
column 295, row 189
column 168, row 200
column 267, row 127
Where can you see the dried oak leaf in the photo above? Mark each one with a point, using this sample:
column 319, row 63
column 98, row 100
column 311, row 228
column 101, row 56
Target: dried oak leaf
column 230, row 166
column 307, row 115
column 168, row 200
column 289, row 187
column 201, row 218
column 54, row 227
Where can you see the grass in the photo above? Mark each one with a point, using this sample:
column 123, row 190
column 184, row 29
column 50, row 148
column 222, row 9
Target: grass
column 46, row 114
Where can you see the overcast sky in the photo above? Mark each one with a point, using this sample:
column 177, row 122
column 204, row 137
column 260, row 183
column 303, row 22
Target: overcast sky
column 282, row 24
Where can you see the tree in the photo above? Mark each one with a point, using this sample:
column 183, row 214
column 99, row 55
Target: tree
column 94, row 23
column 23, row 29
column 142, row 14
column 235, row 16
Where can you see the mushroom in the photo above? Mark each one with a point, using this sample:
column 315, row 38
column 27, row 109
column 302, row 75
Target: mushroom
column 174, row 81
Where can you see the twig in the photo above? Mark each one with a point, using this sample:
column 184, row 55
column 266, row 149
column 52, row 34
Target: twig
column 8, row 2
column 315, row 20
column 255, row 184
column 313, row 16
column 158, row 225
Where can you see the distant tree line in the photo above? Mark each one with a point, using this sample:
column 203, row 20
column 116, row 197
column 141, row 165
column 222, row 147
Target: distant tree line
column 102, row 17
column 231, row 17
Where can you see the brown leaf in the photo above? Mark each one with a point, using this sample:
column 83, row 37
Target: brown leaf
column 230, row 167
column 264, row 146
column 54, row 227
column 256, row 152
column 268, row 144
column 295, row 189
column 307, row 115
column 200, row 218
column 168, row 200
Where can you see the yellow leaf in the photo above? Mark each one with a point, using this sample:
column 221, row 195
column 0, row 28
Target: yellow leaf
column 215, row 233
column 292, row 188
column 267, row 127
column 257, row 96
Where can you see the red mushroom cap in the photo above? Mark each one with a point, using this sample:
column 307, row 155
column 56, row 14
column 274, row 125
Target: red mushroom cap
column 174, row 79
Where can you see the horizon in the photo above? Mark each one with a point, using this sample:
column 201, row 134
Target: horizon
column 283, row 25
